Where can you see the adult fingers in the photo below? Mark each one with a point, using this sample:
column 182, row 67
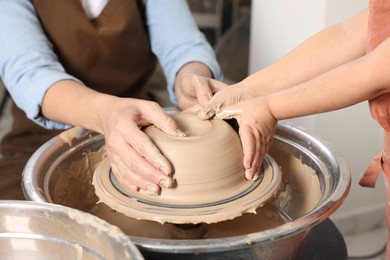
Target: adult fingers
column 152, row 113
column 143, row 145
column 138, row 173
column 202, row 89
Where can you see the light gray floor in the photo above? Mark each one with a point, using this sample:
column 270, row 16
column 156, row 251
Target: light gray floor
column 367, row 243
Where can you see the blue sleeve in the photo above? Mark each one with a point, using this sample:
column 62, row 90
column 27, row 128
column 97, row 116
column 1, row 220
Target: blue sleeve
column 176, row 39
column 28, row 65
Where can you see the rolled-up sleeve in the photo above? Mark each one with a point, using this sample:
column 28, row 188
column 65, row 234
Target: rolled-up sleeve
column 176, row 39
column 28, row 64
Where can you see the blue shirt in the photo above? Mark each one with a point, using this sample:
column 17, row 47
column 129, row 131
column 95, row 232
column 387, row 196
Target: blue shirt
column 29, row 66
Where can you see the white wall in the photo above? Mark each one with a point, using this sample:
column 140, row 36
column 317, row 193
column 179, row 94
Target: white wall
column 278, row 26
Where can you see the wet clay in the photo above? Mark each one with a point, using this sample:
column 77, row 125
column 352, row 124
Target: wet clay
column 73, row 183
column 266, row 217
column 301, row 189
column 72, row 134
column 209, row 174
column 300, row 193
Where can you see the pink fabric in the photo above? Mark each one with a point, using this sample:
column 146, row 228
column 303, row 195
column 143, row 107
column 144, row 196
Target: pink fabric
column 378, row 23
column 371, row 175
column 378, row 31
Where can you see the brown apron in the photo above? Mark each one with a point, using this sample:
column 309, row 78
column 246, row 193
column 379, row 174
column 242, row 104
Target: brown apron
column 110, row 54
column 378, row 31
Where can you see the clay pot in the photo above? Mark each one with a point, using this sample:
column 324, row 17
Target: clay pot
column 210, row 182
column 207, row 162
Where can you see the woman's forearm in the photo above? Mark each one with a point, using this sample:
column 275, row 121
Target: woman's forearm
column 69, row 102
column 346, row 85
column 328, row 49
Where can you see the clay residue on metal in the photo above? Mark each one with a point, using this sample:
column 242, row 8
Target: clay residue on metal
column 266, row 217
column 74, row 185
column 71, row 134
column 301, row 189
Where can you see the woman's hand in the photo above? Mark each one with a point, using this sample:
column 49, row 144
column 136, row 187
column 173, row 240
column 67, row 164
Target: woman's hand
column 134, row 159
column 195, row 91
column 195, row 86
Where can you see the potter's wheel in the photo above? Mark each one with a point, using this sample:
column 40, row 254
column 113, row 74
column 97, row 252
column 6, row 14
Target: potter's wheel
column 143, row 206
column 61, row 171
column 211, row 186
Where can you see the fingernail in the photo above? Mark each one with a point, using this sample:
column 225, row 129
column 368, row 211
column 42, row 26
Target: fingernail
column 166, row 183
column 202, row 114
column 130, row 188
column 165, row 170
column 259, row 174
column 247, row 165
column 180, row 133
column 256, row 177
column 248, row 174
column 133, row 187
column 152, row 190
column 206, row 114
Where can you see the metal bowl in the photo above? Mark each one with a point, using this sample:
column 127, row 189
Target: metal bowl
column 43, row 180
column 33, row 230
